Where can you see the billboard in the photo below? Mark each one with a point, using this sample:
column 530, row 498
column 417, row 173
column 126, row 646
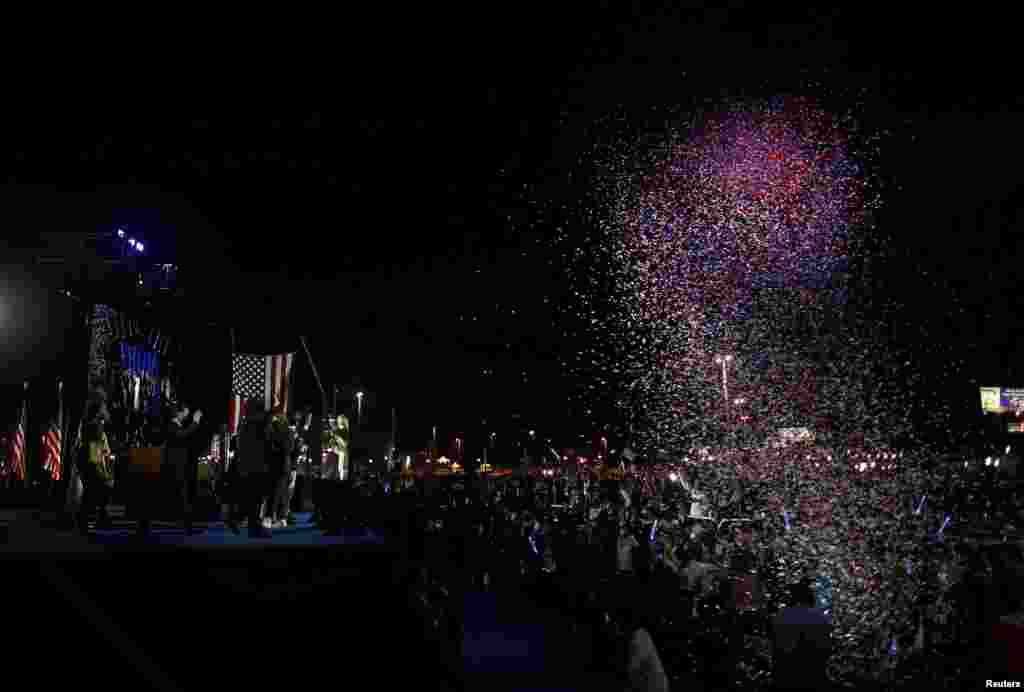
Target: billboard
column 1005, row 401
column 1002, row 400
column 790, row 436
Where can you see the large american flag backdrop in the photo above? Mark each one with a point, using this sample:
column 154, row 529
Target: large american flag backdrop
column 265, row 378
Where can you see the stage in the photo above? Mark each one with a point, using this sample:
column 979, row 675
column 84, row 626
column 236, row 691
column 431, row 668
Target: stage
column 215, row 610
column 36, row 532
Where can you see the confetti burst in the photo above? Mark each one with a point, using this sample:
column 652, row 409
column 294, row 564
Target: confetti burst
column 732, row 233
column 751, row 231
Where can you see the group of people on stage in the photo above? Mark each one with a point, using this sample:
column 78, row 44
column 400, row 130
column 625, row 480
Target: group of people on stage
column 257, row 482
column 94, row 463
column 264, row 469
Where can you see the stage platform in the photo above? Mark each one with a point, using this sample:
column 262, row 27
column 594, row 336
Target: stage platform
column 211, row 611
column 35, row 533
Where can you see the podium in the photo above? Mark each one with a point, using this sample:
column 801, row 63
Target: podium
column 147, row 492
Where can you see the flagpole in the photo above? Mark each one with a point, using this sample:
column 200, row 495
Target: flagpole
column 394, row 435
column 25, row 436
column 316, row 451
column 59, row 462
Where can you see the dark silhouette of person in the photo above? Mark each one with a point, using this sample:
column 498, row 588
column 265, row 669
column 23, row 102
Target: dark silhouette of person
column 182, row 460
column 253, row 467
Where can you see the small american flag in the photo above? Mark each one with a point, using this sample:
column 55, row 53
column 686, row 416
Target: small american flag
column 265, row 378
column 16, row 460
column 53, row 439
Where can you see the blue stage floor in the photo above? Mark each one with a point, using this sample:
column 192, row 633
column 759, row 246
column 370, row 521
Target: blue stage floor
column 302, row 533
column 26, row 530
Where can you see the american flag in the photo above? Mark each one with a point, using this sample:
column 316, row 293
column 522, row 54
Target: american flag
column 16, row 459
column 265, row 378
column 53, row 439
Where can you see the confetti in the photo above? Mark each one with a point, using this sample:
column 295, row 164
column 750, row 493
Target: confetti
column 750, row 231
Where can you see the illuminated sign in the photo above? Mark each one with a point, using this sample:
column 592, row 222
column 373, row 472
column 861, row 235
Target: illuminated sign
column 789, row 436
column 1002, row 400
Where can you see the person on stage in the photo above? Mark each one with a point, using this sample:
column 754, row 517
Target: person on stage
column 182, row 461
column 95, row 468
column 282, row 443
column 253, row 466
column 234, row 492
column 329, row 488
column 301, row 483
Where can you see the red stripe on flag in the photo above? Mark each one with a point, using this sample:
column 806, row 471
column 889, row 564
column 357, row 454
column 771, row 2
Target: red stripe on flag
column 268, row 383
column 286, row 373
column 279, row 372
column 276, row 368
column 234, row 414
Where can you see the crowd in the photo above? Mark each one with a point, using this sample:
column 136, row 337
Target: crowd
column 714, row 565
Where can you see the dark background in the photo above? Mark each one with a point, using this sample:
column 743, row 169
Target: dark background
column 392, row 193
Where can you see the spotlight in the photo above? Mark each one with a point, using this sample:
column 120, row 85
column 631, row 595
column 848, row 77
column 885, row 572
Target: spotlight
column 131, row 241
column 120, row 233
column 139, row 247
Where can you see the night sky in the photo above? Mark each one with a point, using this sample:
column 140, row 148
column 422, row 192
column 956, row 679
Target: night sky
column 399, row 211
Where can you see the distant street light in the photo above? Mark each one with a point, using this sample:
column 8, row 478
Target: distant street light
column 724, row 362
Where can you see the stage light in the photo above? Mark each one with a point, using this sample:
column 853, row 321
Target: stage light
column 120, row 233
column 996, row 464
column 988, row 461
column 131, row 241
column 139, row 247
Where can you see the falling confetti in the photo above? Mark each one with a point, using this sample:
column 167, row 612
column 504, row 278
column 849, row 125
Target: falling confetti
column 749, row 232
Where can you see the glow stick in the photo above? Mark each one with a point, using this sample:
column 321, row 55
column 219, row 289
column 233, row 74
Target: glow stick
column 921, row 506
column 945, row 523
column 785, row 517
column 654, row 530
